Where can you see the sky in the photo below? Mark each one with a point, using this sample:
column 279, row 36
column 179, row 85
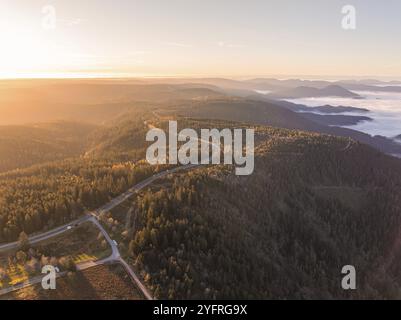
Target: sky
column 199, row 38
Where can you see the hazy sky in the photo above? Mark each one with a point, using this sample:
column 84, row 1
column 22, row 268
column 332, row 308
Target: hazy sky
column 199, row 37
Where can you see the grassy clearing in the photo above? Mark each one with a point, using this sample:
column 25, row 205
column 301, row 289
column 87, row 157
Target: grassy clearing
column 81, row 244
column 105, row 282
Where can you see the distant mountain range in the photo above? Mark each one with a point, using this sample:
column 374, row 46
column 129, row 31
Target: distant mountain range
column 276, row 85
column 326, row 109
column 276, row 114
column 335, row 120
column 102, row 101
column 308, row 92
column 320, row 197
column 359, row 85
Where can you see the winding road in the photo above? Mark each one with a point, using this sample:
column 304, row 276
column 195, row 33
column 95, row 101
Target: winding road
column 93, row 217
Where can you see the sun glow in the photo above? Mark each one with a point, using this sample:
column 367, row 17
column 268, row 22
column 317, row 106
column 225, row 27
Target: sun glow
column 30, row 51
column 138, row 38
column 22, row 48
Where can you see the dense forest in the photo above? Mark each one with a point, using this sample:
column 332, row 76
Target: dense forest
column 50, row 193
column 25, row 145
column 46, row 196
column 314, row 204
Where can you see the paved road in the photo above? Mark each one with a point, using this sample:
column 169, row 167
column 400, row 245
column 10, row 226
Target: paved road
column 349, row 145
column 115, row 257
column 46, row 235
column 107, row 207
column 29, row 282
column 93, row 217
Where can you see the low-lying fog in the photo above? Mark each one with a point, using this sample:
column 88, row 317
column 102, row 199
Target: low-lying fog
column 384, row 107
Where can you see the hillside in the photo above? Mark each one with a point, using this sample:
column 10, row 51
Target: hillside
column 261, row 110
column 241, row 110
column 335, row 120
column 101, row 102
column 89, row 101
column 306, row 92
column 125, row 137
column 283, row 232
column 23, row 146
column 314, row 204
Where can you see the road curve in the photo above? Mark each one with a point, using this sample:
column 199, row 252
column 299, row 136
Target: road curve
column 93, row 217
column 46, row 235
column 107, row 207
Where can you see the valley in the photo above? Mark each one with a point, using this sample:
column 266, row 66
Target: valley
column 199, row 158
column 283, row 231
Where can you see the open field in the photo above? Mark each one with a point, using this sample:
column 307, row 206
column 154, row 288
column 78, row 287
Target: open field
column 84, row 243
column 80, row 244
column 104, row 282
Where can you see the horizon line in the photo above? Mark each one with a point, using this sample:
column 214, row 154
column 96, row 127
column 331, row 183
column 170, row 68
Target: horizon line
column 125, row 76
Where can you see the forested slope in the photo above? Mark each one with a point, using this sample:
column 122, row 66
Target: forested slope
column 50, row 193
column 314, row 204
column 26, row 145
